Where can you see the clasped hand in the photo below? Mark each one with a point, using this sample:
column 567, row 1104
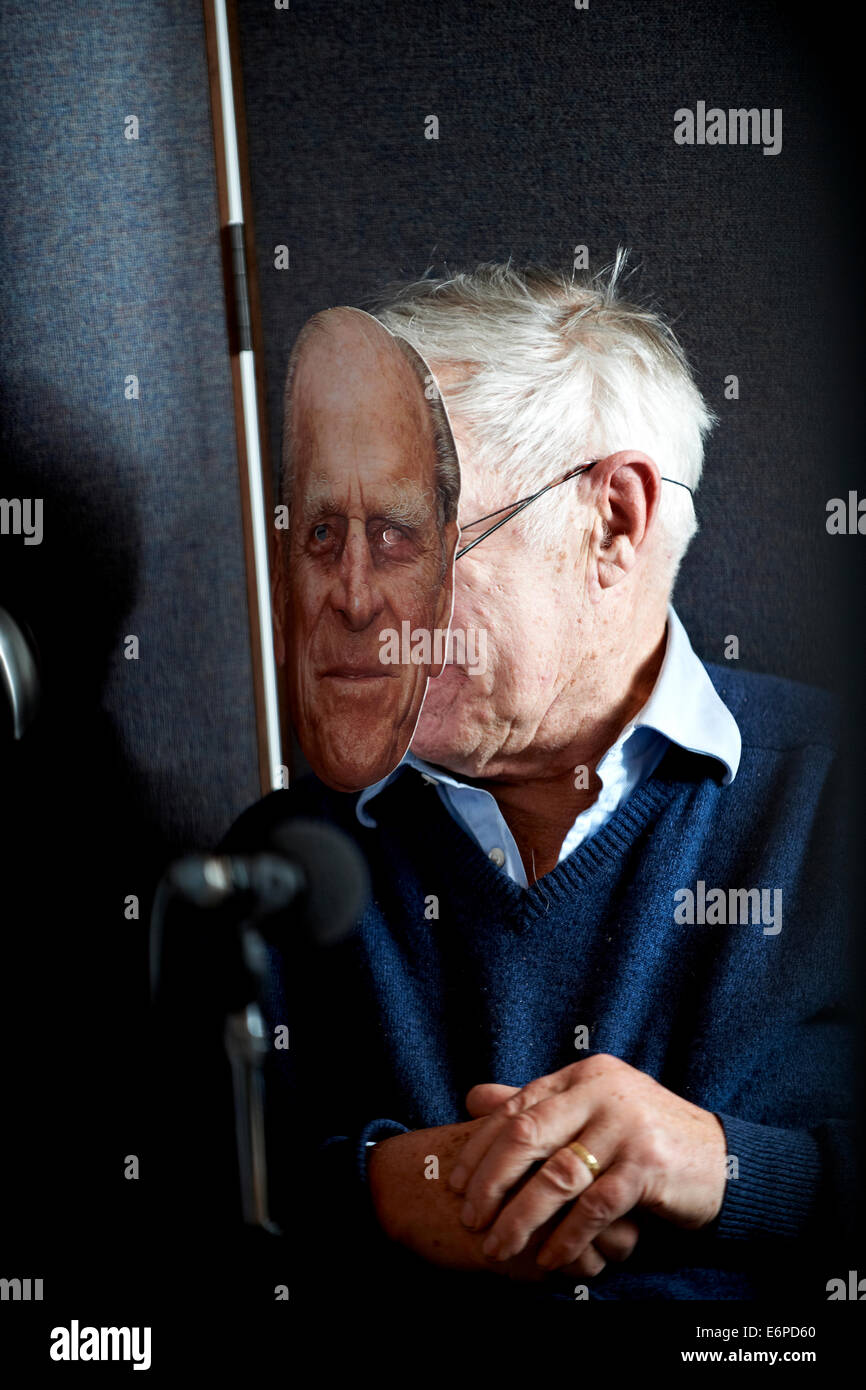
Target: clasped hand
column 518, row 1199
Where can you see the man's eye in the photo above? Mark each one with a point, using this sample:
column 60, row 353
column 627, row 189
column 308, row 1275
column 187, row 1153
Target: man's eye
column 321, row 532
column 391, row 535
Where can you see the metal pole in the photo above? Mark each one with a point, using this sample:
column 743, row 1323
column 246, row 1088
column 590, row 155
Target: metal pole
column 249, row 406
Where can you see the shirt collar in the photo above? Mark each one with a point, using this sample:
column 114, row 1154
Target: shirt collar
column 684, row 706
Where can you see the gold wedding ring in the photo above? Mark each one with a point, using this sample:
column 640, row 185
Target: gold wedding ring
column 589, row 1159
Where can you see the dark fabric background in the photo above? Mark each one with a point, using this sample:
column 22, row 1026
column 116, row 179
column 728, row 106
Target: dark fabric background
column 110, row 265
column 556, row 129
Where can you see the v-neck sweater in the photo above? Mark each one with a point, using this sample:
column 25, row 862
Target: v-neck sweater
column 456, row 974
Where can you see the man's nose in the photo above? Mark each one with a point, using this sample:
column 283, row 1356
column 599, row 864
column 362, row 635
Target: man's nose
column 357, row 595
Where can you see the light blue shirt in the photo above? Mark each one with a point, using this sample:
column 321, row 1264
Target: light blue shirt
column 683, row 708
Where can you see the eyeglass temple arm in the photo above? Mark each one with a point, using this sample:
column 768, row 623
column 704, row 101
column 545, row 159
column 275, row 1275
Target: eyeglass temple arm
column 514, row 507
column 489, row 532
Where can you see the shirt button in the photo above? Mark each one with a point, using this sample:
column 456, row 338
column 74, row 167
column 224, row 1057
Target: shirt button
column 498, row 856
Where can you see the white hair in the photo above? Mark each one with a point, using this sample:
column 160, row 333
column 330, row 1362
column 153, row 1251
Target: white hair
column 552, row 370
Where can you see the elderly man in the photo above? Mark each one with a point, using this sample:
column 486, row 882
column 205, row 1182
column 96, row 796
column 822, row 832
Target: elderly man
column 590, row 1033
column 371, row 485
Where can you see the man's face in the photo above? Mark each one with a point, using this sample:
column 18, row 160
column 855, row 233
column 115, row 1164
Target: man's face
column 365, row 551
column 530, row 601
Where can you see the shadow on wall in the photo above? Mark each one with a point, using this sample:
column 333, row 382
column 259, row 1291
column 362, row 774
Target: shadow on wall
column 74, row 591
column 81, row 848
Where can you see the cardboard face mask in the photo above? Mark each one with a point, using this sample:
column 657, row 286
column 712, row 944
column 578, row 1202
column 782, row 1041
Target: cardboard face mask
column 373, row 483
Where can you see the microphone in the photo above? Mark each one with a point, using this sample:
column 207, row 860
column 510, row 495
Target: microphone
column 307, row 876
column 19, row 674
column 307, row 865
column 207, row 880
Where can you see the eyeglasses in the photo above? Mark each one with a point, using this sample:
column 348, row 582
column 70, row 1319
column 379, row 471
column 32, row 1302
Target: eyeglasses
column 514, row 507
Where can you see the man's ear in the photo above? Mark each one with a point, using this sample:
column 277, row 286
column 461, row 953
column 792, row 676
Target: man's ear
column 626, row 491
column 445, row 604
column 279, row 594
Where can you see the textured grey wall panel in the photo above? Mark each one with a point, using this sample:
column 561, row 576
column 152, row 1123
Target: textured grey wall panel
column 556, row 129
column 111, row 266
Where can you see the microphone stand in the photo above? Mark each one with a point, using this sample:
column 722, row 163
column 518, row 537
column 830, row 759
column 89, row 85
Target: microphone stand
column 244, row 1034
column 308, row 865
column 247, row 1047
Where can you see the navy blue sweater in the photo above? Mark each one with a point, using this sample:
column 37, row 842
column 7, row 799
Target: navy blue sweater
column 389, row 1030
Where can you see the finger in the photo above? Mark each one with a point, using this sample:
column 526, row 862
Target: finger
column 482, row 1099
column 618, row 1241
column 591, row 1262
column 477, row 1144
column 528, row 1137
column 613, row 1245
column 559, row 1181
column 616, row 1192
